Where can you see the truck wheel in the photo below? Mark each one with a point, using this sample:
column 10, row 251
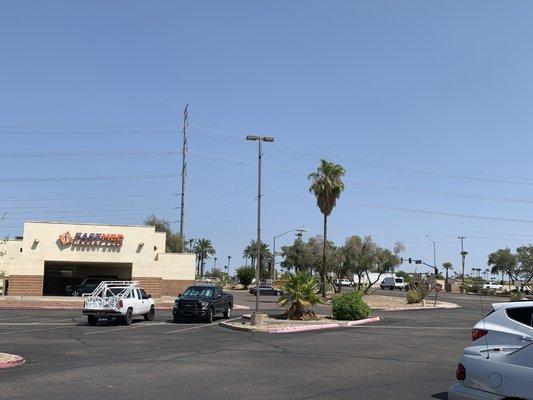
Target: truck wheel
column 391, row 288
column 176, row 319
column 128, row 317
column 92, row 320
column 227, row 313
column 210, row 316
column 149, row 316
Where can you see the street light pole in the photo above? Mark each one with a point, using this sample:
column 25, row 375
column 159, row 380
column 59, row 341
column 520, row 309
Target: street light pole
column 229, row 258
column 257, row 320
column 215, row 263
column 434, row 254
column 299, row 231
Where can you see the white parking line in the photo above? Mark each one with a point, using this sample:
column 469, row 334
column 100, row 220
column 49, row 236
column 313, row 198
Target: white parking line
column 199, row 326
column 441, row 328
column 36, row 323
column 137, row 325
column 35, row 330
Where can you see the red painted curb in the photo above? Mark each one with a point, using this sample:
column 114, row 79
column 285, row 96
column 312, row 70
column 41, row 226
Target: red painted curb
column 16, row 361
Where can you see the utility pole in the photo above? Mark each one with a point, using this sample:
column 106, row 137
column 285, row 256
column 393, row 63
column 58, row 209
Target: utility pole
column 463, row 255
column 184, row 152
column 434, row 255
column 229, row 258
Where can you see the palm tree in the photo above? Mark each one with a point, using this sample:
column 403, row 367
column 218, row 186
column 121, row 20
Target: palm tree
column 327, row 187
column 447, row 266
column 299, row 295
column 203, row 249
column 250, row 252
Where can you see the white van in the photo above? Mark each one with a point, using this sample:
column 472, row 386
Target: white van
column 391, row 282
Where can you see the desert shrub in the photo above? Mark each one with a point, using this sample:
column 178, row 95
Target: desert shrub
column 350, row 306
column 414, row 296
column 299, row 296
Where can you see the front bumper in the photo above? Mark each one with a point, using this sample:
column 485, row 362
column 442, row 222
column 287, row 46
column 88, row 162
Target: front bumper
column 180, row 313
column 461, row 392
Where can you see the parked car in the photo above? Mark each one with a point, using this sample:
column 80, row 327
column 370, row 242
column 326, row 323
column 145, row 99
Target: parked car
column 494, row 372
column 507, row 324
column 492, row 285
column 344, row 282
column 202, row 302
column 391, row 282
column 118, row 299
column 87, row 286
column 266, row 290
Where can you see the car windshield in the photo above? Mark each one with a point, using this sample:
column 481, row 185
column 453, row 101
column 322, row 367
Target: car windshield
column 198, row 292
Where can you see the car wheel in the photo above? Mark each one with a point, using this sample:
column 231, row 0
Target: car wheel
column 92, row 320
column 75, row 294
column 210, row 316
column 227, row 313
column 149, row 316
column 382, row 288
column 128, row 318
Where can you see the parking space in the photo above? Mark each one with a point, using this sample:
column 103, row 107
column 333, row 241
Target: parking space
column 416, row 351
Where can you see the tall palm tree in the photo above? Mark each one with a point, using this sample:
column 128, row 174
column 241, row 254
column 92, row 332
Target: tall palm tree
column 447, row 266
column 203, row 249
column 327, row 186
column 250, row 252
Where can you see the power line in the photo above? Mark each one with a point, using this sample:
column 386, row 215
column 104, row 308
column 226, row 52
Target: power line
column 60, row 198
column 86, row 178
column 54, row 154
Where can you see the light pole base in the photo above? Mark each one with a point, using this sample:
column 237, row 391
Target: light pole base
column 258, row 319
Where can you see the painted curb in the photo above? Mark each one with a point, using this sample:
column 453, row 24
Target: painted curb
column 364, row 321
column 14, row 362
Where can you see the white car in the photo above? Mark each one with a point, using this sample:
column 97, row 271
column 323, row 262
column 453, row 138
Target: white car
column 507, row 324
column 118, row 299
column 344, row 282
column 494, row 373
column 391, row 282
column 492, row 285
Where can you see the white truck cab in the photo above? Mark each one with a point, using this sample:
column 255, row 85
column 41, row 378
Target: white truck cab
column 118, row 299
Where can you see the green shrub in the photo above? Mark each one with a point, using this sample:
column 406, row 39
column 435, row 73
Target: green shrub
column 245, row 275
column 414, row 296
column 350, row 306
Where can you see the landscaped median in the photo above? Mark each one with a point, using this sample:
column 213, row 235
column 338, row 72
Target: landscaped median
column 273, row 324
column 10, row 360
column 393, row 303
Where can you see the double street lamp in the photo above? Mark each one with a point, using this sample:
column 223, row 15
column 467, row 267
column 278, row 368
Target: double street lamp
column 256, row 318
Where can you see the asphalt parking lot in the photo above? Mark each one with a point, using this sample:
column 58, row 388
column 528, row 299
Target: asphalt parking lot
column 407, row 355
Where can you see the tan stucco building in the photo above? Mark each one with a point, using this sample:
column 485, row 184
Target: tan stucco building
column 51, row 256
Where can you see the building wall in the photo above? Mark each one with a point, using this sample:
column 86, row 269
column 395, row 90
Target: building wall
column 143, row 248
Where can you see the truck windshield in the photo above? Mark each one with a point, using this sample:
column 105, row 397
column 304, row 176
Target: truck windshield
column 198, row 292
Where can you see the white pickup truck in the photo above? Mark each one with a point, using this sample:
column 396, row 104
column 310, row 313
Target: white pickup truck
column 118, row 299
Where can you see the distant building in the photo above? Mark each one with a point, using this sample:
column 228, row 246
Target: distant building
column 51, row 256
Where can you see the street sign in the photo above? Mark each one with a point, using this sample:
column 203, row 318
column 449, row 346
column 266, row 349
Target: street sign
column 437, row 287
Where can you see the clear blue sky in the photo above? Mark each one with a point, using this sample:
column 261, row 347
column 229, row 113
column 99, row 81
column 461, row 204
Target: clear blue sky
column 426, row 103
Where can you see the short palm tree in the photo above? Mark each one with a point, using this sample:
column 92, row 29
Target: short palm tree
column 327, row 186
column 299, row 295
column 447, row 266
column 203, row 249
column 251, row 252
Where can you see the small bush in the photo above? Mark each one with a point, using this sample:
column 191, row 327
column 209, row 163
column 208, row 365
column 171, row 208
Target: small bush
column 414, row 296
column 245, row 275
column 350, row 306
column 516, row 296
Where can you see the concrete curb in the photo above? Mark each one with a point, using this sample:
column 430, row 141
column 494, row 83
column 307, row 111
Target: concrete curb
column 14, row 361
column 443, row 306
column 299, row 328
column 364, row 321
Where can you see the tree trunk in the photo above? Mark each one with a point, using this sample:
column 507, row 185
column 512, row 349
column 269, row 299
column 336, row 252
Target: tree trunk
column 202, row 264
column 324, row 264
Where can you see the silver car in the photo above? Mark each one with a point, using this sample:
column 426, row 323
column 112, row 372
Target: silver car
column 494, row 373
column 507, row 324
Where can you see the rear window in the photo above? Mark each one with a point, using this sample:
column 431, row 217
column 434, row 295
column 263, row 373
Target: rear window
column 524, row 315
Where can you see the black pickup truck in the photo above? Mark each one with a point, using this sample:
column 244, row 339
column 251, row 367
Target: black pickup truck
column 202, row 302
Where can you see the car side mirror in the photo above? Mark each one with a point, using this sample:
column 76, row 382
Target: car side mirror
column 149, row 296
column 179, row 294
column 218, row 296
